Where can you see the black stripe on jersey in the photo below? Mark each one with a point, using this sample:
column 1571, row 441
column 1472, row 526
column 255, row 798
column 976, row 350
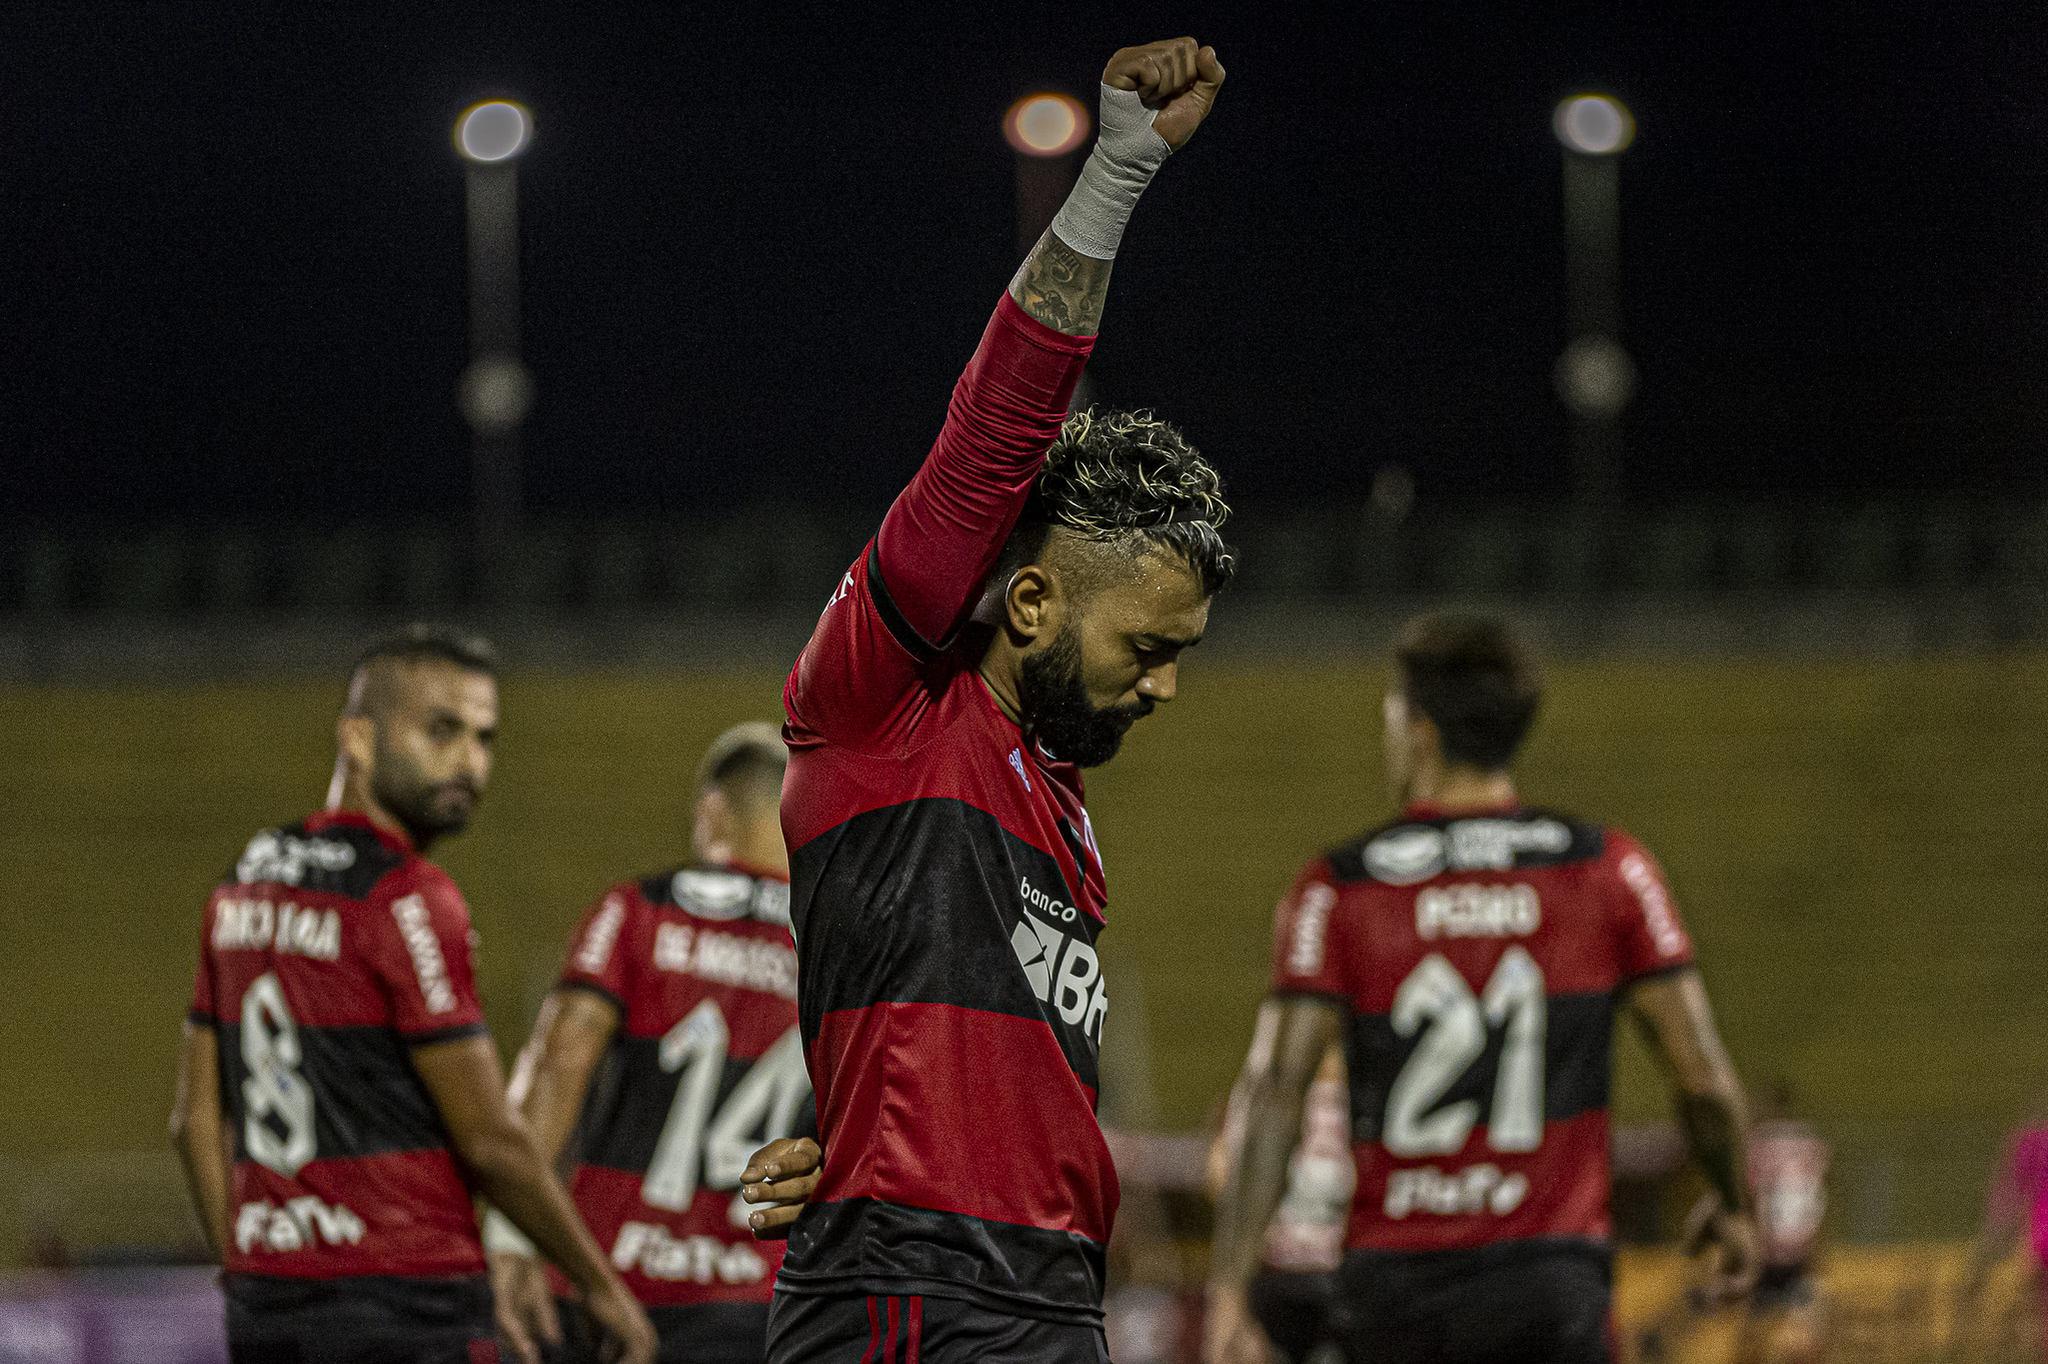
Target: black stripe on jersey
column 936, row 944
column 629, row 1104
column 595, row 989
column 271, row 857
column 948, row 1255
column 367, row 1099
column 630, row 1099
column 1400, row 853
column 1577, row 1034
column 1669, row 968
column 920, row 648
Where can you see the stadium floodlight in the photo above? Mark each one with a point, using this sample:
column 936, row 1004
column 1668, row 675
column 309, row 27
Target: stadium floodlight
column 1594, row 125
column 495, row 130
column 1047, row 124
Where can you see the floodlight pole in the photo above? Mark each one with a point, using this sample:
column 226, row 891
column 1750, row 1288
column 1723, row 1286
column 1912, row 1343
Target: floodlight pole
column 492, row 198
column 1045, row 176
column 1592, row 232
column 1595, row 376
column 496, row 387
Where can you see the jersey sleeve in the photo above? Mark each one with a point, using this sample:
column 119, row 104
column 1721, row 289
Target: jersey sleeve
column 425, row 957
column 1649, row 933
column 600, row 955
column 1308, row 932
column 902, row 603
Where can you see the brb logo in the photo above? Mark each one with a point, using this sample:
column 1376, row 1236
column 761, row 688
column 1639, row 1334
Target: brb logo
column 1064, row 971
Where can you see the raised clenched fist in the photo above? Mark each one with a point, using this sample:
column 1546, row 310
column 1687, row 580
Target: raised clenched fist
column 1177, row 78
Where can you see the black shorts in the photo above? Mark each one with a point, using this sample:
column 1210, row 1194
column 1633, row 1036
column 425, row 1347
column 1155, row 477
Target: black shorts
column 717, row 1333
column 1784, row 1288
column 1540, row 1302
column 1295, row 1310
column 368, row 1320
column 803, row 1329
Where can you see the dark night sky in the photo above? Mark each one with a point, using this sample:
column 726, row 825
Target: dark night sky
column 757, row 251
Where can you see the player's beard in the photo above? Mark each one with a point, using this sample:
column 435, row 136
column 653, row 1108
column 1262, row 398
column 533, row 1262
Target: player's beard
column 1058, row 713
column 426, row 809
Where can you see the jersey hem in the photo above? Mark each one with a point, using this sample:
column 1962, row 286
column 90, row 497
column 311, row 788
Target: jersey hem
column 592, row 987
column 1304, row 992
column 429, row 1038
column 1510, row 1249
column 900, row 1286
column 1669, row 968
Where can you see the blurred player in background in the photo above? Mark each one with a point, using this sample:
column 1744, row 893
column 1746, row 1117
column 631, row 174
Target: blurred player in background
column 1786, row 1322
column 1294, row 1294
column 340, row 1103
column 1470, row 958
column 2015, row 1226
column 947, row 890
column 685, row 982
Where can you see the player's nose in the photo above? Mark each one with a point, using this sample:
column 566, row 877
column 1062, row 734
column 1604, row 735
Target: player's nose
column 1160, row 683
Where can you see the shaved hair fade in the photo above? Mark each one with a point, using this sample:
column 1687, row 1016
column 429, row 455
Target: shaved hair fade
column 1129, row 483
column 416, row 643
column 1476, row 681
column 746, row 763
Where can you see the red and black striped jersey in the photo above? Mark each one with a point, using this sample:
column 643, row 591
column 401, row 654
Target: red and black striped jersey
column 946, row 896
column 330, row 951
column 1479, row 958
column 705, row 1068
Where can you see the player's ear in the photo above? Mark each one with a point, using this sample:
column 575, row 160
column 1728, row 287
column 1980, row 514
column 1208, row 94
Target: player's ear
column 1424, row 738
column 1031, row 602
column 711, row 832
column 355, row 738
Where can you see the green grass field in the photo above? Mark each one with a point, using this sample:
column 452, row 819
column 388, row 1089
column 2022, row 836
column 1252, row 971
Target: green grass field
column 1858, row 849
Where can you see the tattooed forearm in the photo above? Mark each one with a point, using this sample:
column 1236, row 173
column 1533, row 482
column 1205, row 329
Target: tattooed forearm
column 1062, row 288
column 1713, row 1131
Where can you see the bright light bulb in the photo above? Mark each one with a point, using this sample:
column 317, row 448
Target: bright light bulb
column 1046, row 125
column 1594, row 124
column 495, row 130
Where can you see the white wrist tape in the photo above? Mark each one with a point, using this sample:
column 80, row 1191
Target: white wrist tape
column 501, row 1237
column 1126, row 156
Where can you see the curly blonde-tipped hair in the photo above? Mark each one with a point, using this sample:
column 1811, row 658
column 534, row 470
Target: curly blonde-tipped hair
column 1130, row 480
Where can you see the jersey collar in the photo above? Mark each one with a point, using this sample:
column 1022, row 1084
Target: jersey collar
column 394, row 839
column 1427, row 812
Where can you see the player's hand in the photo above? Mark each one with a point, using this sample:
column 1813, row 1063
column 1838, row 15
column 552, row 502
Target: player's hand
column 1732, row 1250
column 1177, row 78
column 1230, row 1334
column 781, row 1175
column 524, row 1307
column 622, row 1324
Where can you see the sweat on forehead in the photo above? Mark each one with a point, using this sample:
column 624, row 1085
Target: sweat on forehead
column 1089, row 563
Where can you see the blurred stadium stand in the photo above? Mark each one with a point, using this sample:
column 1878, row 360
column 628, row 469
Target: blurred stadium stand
column 1734, row 576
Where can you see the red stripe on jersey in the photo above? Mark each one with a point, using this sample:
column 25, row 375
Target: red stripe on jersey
column 674, row 1259
column 917, row 1089
column 1479, row 1196
column 404, row 1213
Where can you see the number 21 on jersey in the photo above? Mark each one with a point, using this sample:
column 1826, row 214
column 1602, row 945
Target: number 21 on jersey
column 1453, row 1024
